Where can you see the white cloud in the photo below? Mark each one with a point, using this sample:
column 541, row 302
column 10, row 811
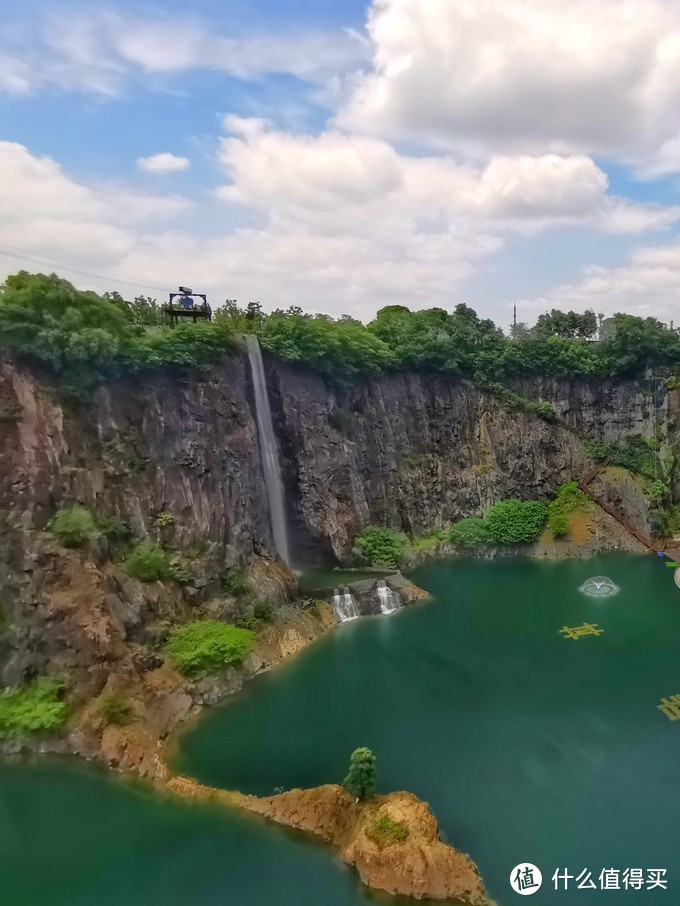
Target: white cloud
column 45, row 212
column 163, row 163
column 648, row 286
column 353, row 184
column 535, row 76
column 102, row 52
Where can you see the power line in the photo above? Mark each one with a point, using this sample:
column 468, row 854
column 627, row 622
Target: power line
column 53, row 262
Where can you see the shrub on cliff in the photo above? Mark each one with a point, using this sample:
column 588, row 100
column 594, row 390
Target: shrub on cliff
column 205, row 646
column 385, row 830
column 37, row 708
column 382, row 547
column 516, row 521
column 73, row 527
column 148, row 563
column 473, row 530
column 360, row 779
column 235, row 583
column 558, row 523
column 115, row 708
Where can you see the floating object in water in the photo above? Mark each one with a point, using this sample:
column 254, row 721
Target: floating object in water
column 599, row 587
column 390, row 601
column 344, row 605
column 670, row 707
column 677, row 576
column 578, row 631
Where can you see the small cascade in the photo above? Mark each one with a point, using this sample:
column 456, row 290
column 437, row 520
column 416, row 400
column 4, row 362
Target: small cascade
column 390, row 601
column 344, row 605
column 271, row 466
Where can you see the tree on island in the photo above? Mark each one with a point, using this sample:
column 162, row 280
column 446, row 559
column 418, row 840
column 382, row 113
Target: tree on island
column 360, row 781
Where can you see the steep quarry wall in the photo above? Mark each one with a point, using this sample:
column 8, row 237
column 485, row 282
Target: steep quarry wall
column 410, row 451
column 417, row 452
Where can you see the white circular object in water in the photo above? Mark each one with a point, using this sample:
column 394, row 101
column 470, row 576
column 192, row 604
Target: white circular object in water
column 599, row 587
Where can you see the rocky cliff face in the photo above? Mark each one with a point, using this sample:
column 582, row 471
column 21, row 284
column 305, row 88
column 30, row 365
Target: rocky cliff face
column 418, row 452
column 410, row 451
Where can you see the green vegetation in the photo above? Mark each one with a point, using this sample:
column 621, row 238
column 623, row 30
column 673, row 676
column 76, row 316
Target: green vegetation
column 385, row 830
column 558, row 523
column 382, row 546
column 86, row 338
column 516, row 521
column 637, row 454
column 115, row 708
column 569, row 498
column 205, row 646
column 163, row 520
column 113, row 528
column 658, row 492
column 179, row 570
column 512, row 400
column 506, row 522
column 35, row 709
column 235, row 583
column 147, row 563
column 73, row 526
column 430, row 540
column 473, row 530
column 360, row 780
column 340, row 350
column 668, row 520
column 264, row 611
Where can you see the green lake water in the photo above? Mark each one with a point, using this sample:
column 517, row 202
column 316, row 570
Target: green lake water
column 528, row 746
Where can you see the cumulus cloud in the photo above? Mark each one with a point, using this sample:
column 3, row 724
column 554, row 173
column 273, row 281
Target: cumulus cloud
column 101, row 52
column 163, row 163
column 647, row 285
column 490, row 76
column 337, row 182
column 347, row 223
column 45, row 212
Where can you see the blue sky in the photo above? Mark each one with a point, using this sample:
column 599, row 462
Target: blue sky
column 347, row 155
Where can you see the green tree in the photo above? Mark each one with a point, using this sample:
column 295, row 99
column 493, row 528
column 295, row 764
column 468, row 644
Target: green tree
column 78, row 334
column 382, row 546
column 360, row 780
column 568, row 324
column 142, row 311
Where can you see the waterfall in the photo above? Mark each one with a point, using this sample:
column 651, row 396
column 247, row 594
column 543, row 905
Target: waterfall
column 269, row 450
column 390, row 601
column 344, row 604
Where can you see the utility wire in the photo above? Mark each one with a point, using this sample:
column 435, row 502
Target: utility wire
column 10, row 251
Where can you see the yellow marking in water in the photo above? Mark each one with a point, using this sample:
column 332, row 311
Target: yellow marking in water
column 576, row 632
column 670, row 707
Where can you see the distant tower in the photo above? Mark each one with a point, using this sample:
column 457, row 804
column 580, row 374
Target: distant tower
column 514, row 315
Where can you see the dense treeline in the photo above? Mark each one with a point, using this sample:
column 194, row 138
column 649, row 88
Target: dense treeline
column 86, row 338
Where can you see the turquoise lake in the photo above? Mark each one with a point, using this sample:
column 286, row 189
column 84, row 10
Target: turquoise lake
column 530, row 747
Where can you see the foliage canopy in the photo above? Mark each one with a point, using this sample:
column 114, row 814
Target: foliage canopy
column 73, row 526
column 382, row 546
column 205, row 646
column 148, row 563
column 360, row 779
column 37, row 708
column 86, row 338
